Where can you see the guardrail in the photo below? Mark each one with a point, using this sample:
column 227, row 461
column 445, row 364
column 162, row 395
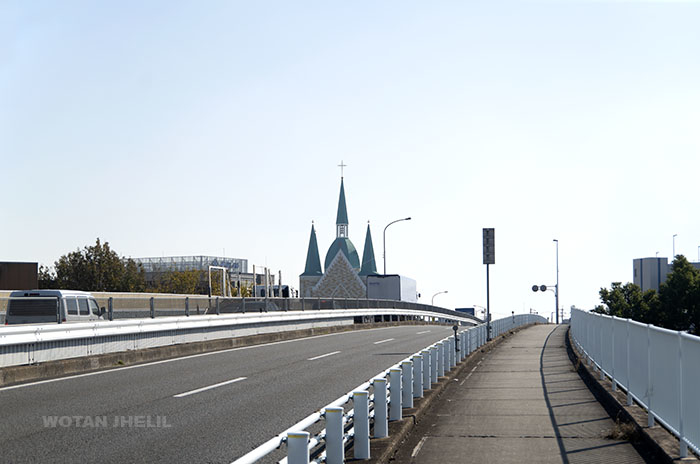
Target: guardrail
column 28, row 344
column 657, row 368
column 392, row 391
column 134, row 305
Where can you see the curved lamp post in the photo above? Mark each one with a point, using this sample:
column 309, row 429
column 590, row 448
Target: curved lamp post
column 432, row 300
column 384, row 238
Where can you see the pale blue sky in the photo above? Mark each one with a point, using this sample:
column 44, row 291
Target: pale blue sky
column 174, row 128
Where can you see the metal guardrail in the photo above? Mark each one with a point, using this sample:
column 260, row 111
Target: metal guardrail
column 134, row 305
column 28, row 344
column 657, row 368
column 392, row 391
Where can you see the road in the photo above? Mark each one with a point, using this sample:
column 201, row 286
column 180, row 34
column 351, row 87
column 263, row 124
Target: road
column 208, row 408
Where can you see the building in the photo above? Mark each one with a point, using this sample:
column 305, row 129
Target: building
column 154, row 268
column 343, row 275
column 650, row 273
column 19, row 276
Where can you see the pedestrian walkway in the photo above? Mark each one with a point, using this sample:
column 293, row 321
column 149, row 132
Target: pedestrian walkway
column 523, row 403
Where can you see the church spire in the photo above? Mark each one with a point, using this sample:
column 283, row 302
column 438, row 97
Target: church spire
column 313, row 262
column 341, row 221
column 369, row 265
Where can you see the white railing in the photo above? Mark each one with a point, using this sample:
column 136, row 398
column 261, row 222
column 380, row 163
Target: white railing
column 658, row 368
column 392, row 391
column 28, row 344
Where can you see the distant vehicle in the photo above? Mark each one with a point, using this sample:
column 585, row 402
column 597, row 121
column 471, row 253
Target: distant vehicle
column 391, row 287
column 52, row 306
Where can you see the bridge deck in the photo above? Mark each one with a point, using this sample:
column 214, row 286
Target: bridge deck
column 522, row 403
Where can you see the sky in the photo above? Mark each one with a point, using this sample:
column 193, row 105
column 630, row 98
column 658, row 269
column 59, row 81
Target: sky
column 173, row 128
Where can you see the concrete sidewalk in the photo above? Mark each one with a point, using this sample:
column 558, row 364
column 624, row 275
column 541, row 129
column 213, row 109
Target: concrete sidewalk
column 523, row 403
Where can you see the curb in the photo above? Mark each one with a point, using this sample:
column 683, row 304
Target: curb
column 656, row 444
column 13, row 375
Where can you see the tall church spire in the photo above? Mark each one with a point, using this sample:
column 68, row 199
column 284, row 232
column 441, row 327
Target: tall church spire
column 313, row 262
column 369, row 265
column 341, row 221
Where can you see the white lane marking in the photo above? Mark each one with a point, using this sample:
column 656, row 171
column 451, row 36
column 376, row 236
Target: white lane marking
column 164, row 361
column 416, row 450
column 469, row 375
column 192, row 392
column 423, row 332
column 323, row 356
column 383, row 341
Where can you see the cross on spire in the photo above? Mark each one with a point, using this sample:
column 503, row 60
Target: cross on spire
column 342, row 167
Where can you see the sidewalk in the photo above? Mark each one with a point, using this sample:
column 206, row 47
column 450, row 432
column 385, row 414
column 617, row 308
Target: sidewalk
column 523, row 403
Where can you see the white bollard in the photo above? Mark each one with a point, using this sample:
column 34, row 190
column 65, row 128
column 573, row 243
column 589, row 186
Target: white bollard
column 426, row 369
column 452, row 353
column 335, row 453
column 381, row 424
column 440, row 361
column 407, row 384
column 433, row 364
column 417, row 376
column 360, row 400
column 395, row 393
column 298, row 447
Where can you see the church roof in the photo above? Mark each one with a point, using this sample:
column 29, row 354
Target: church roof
column 342, row 217
column 369, row 265
column 344, row 245
column 313, row 262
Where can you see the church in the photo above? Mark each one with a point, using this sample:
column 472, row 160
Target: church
column 342, row 276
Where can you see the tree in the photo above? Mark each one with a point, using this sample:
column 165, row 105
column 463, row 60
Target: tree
column 628, row 301
column 680, row 297
column 98, row 268
column 182, row 282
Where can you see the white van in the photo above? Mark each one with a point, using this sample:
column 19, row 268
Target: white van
column 47, row 306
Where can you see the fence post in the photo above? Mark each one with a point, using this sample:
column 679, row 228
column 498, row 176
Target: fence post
column 417, row 376
column 426, row 369
column 110, row 308
column 600, row 353
column 335, row 453
column 187, row 306
column 381, row 424
column 395, row 394
column 627, row 367
column 650, row 415
column 218, row 311
column 614, row 382
column 433, row 364
column 440, row 361
column 407, row 384
column 683, row 444
column 298, row 447
column 360, row 400
column 153, row 308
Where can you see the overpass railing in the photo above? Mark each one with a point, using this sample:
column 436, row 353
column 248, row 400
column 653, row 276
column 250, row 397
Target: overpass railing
column 364, row 413
column 135, row 305
column 657, row 368
column 29, row 344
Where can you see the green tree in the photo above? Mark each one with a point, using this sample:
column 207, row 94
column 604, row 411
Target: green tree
column 98, row 268
column 628, row 301
column 680, row 297
column 181, row 282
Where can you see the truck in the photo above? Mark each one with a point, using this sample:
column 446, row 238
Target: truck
column 391, row 287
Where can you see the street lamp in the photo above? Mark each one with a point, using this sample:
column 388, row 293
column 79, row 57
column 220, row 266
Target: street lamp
column 384, row 238
column 554, row 288
column 432, row 300
column 674, row 245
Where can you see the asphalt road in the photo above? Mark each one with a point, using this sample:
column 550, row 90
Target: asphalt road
column 207, row 408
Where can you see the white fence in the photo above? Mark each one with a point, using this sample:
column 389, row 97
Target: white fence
column 391, row 391
column 658, row 368
column 29, row 344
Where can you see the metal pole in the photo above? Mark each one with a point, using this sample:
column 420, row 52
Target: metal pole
column 407, row 384
column 360, row 400
column 556, row 287
column 417, row 376
column 381, row 425
column 395, row 394
column 384, row 239
column 298, row 447
column 334, row 435
column 488, row 307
